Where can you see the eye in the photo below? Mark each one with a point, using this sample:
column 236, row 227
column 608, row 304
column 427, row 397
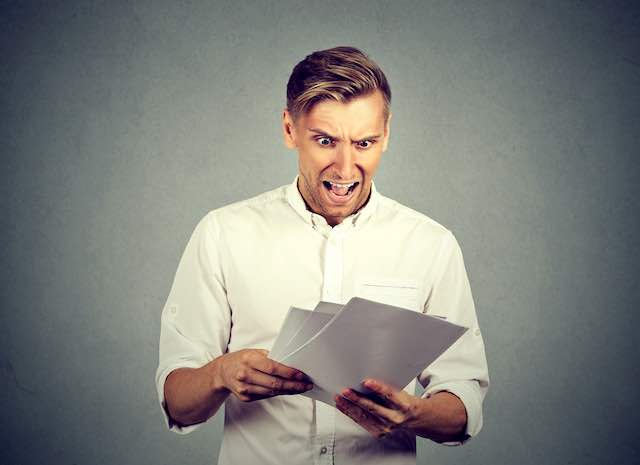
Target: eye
column 368, row 142
column 325, row 141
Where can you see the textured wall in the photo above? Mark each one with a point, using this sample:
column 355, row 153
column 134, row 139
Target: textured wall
column 516, row 124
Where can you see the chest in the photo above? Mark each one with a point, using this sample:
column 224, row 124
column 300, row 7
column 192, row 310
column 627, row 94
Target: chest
column 266, row 276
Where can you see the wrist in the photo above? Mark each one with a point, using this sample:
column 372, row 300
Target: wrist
column 441, row 417
column 216, row 380
column 421, row 411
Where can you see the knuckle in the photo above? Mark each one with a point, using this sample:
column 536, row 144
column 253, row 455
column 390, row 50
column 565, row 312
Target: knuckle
column 242, row 390
column 276, row 384
column 411, row 411
column 241, row 375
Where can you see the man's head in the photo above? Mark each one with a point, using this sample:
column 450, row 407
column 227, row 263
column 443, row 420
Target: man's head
column 337, row 117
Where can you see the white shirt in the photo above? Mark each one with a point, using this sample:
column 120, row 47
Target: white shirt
column 248, row 262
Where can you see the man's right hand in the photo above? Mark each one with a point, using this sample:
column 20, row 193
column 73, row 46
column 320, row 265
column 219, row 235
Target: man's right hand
column 250, row 375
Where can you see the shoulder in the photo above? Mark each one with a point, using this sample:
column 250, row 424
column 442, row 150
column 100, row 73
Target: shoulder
column 403, row 217
column 426, row 235
column 244, row 213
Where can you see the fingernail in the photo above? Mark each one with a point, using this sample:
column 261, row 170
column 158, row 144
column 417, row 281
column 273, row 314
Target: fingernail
column 300, row 376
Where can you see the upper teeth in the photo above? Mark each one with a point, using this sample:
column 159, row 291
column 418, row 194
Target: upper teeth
column 335, row 184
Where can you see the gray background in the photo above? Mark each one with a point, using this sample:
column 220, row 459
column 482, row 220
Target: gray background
column 516, row 125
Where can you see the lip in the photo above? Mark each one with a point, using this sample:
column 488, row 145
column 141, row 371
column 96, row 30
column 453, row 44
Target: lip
column 339, row 200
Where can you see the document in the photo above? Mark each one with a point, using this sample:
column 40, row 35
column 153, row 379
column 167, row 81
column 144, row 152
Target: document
column 299, row 326
column 340, row 346
column 292, row 323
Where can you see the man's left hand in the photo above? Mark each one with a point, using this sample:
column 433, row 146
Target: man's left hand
column 396, row 409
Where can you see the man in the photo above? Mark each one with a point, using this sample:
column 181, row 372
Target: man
column 328, row 236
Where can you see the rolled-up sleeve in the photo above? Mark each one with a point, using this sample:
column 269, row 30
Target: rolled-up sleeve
column 462, row 369
column 195, row 322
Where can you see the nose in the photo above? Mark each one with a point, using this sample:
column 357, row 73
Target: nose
column 344, row 162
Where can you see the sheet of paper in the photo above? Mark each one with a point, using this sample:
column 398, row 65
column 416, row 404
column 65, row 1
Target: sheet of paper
column 314, row 322
column 292, row 323
column 299, row 326
column 367, row 339
column 328, row 307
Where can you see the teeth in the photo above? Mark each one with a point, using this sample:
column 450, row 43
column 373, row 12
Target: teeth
column 338, row 185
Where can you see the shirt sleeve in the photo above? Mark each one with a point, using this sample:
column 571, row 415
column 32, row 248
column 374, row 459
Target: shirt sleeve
column 461, row 369
column 196, row 319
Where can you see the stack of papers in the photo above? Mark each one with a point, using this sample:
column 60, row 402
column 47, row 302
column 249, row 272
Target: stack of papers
column 339, row 346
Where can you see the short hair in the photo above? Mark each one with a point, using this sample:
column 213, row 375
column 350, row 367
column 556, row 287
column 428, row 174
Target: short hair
column 340, row 74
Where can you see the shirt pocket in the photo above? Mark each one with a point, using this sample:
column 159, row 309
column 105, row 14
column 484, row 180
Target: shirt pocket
column 397, row 292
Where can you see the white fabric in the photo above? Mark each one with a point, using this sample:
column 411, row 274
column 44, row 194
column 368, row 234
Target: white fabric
column 248, row 262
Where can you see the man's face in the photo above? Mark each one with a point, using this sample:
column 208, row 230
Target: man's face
column 339, row 148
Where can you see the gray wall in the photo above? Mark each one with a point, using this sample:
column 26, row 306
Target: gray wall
column 516, row 125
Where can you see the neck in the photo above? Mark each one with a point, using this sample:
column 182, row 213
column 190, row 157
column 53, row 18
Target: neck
column 331, row 220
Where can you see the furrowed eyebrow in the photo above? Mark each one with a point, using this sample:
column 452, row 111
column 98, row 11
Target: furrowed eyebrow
column 326, row 134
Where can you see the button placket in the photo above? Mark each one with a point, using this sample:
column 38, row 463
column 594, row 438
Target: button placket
column 331, row 292
column 325, row 439
column 333, row 263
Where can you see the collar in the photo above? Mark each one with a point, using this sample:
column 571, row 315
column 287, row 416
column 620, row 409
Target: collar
column 317, row 221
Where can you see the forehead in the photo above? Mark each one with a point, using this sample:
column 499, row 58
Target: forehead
column 359, row 114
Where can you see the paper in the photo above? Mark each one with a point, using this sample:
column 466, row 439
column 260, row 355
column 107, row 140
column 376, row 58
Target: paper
column 299, row 326
column 339, row 346
column 292, row 322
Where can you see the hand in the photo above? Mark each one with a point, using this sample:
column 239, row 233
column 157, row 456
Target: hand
column 250, row 375
column 396, row 408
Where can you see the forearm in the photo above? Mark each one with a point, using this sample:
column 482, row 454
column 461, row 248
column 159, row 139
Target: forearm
column 441, row 417
column 193, row 395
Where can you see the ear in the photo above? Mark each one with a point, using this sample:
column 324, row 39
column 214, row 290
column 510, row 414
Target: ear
column 288, row 130
column 387, row 129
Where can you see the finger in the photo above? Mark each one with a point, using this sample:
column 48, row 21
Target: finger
column 385, row 413
column 271, row 367
column 245, row 393
column 275, row 383
column 394, row 397
column 369, row 422
column 254, row 389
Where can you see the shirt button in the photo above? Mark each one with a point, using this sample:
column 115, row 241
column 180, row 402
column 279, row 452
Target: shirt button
column 323, row 450
column 477, row 332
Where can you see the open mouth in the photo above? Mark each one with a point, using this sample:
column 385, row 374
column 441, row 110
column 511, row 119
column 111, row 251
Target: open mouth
column 340, row 192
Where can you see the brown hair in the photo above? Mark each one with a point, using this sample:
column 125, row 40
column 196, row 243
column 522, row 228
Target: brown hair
column 340, row 74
